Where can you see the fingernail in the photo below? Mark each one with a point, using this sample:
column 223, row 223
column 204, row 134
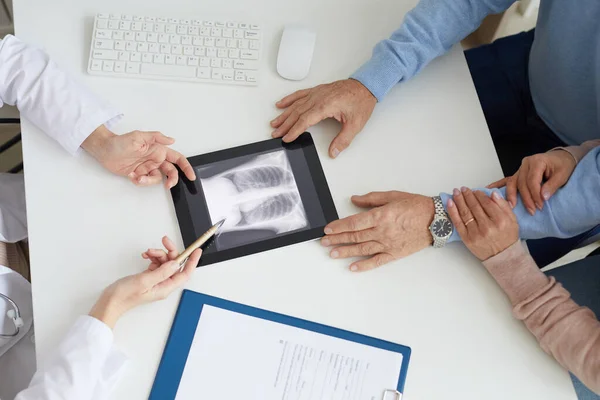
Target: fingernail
column 335, row 254
column 325, row 242
column 531, row 211
column 142, row 179
column 328, row 231
column 512, row 205
column 456, row 192
column 450, row 203
column 463, row 189
column 274, row 133
column 496, row 196
column 546, row 195
column 335, row 152
column 539, row 207
column 353, row 268
column 131, row 175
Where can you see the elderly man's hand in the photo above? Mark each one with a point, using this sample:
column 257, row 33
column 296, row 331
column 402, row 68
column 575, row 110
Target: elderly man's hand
column 396, row 226
column 348, row 101
column 143, row 157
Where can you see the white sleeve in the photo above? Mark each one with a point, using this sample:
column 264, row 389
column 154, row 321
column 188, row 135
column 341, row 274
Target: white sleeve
column 48, row 97
column 85, row 366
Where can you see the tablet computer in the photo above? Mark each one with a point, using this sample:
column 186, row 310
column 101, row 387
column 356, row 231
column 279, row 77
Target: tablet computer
column 271, row 194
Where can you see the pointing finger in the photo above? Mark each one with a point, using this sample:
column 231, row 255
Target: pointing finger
column 289, row 99
column 355, row 222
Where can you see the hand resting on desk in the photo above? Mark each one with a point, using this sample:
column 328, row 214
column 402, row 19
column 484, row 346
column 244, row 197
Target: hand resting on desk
column 143, row 157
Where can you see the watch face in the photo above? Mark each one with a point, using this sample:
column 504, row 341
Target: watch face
column 442, row 228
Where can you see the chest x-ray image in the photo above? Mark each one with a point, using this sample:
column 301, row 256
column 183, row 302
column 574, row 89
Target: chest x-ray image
column 258, row 196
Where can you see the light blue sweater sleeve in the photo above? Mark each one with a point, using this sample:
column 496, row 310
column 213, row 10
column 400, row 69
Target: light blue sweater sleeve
column 572, row 210
column 428, row 31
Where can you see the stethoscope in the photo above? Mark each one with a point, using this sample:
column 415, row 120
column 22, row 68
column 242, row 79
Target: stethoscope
column 15, row 315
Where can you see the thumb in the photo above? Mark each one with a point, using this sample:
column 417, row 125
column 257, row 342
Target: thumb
column 552, row 185
column 373, row 199
column 161, row 273
column 343, row 139
column 158, row 137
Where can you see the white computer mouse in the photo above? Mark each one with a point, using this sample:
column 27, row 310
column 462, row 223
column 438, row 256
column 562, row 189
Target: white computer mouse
column 296, row 52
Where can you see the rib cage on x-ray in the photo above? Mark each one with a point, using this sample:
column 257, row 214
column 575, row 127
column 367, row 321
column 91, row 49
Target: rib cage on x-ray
column 260, row 194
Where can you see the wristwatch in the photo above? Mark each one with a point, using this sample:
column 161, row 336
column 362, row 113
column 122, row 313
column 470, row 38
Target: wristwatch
column 441, row 227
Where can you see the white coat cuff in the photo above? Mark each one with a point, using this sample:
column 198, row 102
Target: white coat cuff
column 108, row 117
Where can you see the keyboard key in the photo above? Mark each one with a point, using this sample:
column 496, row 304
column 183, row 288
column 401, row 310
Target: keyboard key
column 141, row 36
column 200, row 51
column 120, row 45
column 181, row 29
column 249, row 55
column 104, row 44
column 176, row 49
column 196, row 22
column 176, row 71
column 255, row 27
column 204, row 73
column 158, row 59
column 231, row 25
column 101, row 24
column 215, row 62
column 113, row 24
column 103, row 16
column 118, row 35
column 142, row 47
column 174, row 39
column 243, row 44
column 204, row 62
column 227, row 63
column 254, row 45
column 119, row 66
column 169, row 59
column 209, row 42
column 253, row 35
column 211, row 52
column 198, row 41
column 159, row 28
column 216, row 32
column 193, row 60
column 209, row 23
column 127, row 17
column 240, row 76
column 115, row 16
column 220, row 42
column 251, row 77
column 173, row 21
column 138, row 18
column 148, row 27
column 181, row 60
column 222, row 53
column 185, row 21
column 152, row 37
column 243, row 64
column 154, row 48
column 125, row 25
column 238, row 33
column 103, row 34
column 163, row 38
column 205, row 31
column 232, row 43
column 188, row 50
column 150, row 19
column 105, row 54
column 227, row 74
column 96, row 65
column 165, row 48
column 193, row 31
column 129, row 35
column 137, row 26
column 220, row 24
column 216, row 74
column 123, row 56
column 186, row 40
column 227, row 33
column 161, row 20
column 171, row 29
column 136, row 57
column 244, row 26
column 234, row 53
column 147, row 57
column 131, row 46
column 108, row 66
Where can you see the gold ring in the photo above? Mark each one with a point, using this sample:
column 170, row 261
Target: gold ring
column 469, row 221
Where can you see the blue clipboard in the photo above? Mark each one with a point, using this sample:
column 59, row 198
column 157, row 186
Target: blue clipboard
column 172, row 364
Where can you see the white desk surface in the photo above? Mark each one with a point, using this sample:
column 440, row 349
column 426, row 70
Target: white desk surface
column 88, row 228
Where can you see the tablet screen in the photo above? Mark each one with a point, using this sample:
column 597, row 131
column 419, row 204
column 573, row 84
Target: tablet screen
column 270, row 194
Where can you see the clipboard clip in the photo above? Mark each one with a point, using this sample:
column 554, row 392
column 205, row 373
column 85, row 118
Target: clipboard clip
column 391, row 394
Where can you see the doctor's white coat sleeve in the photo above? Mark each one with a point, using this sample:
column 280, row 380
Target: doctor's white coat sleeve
column 48, row 97
column 85, row 366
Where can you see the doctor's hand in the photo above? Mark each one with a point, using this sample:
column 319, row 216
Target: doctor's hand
column 143, row 157
column 157, row 282
column 538, row 178
column 491, row 226
column 396, row 226
column 348, row 101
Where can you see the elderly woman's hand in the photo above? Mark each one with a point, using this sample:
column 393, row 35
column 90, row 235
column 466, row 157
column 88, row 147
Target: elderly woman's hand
column 486, row 225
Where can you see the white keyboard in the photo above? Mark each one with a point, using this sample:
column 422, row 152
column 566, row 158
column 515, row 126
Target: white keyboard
column 176, row 49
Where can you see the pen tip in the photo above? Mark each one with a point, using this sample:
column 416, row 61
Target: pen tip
column 220, row 223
